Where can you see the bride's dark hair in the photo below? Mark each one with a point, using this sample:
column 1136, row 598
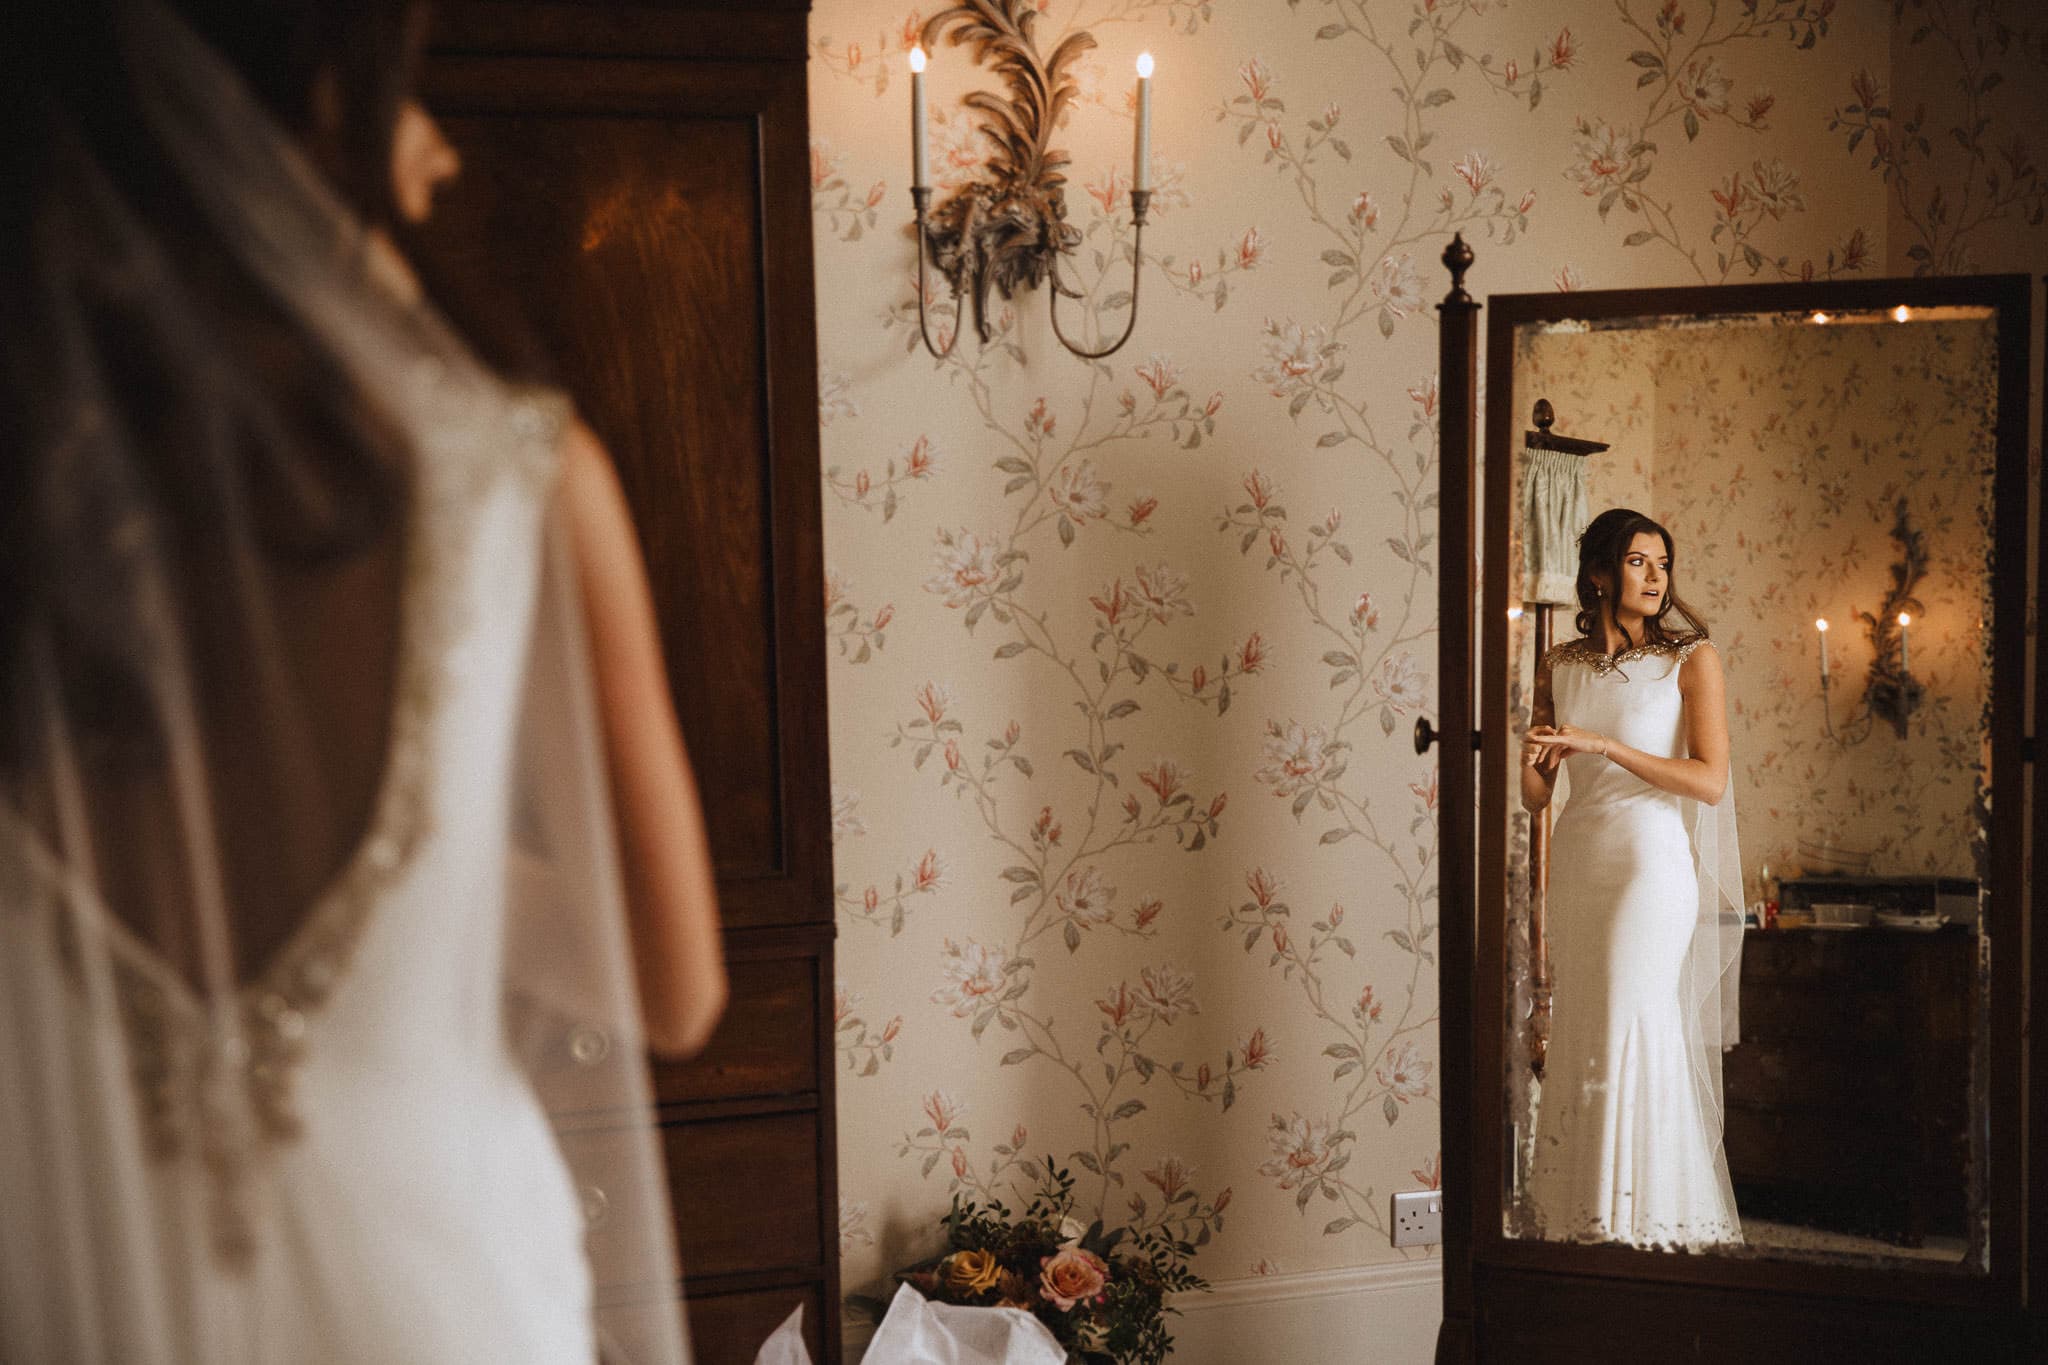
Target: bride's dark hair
column 1602, row 548
column 127, row 323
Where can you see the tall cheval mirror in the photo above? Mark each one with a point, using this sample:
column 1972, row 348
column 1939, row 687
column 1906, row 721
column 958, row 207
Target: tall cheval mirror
column 1747, row 948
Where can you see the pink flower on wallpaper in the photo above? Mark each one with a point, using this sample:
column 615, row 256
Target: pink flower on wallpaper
column 1526, row 202
column 1426, row 792
column 1331, row 113
column 1079, row 494
column 1164, row 591
column 1046, row 831
column 1424, row 395
column 1146, row 912
column 1512, row 72
column 1364, row 211
column 1475, row 170
column 1142, row 507
column 1296, row 356
column 1214, row 405
column 1603, row 156
column 1431, row 1173
column 853, row 56
column 846, row 821
column 933, row 699
column 1167, row 992
column 1108, row 191
column 1251, row 249
column 824, row 162
column 1562, row 53
column 953, row 755
column 1265, row 1265
column 1111, row 603
column 1259, row 489
column 912, row 33
column 1568, row 278
column 1402, row 684
column 1252, row 657
column 1864, row 86
column 966, row 568
column 1397, row 285
column 1170, row 1177
column 1705, row 87
column 1263, row 885
column 930, row 873
column 836, row 588
column 973, row 975
column 844, row 1002
column 1364, row 613
column 1258, row 81
column 919, row 462
column 1301, row 1150
column 1367, row 1008
column 1296, row 757
column 1119, row 1005
column 1777, row 188
column 1194, row 273
column 1405, row 1073
column 943, row 1110
column 1257, row 1051
column 1160, row 375
column 1759, row 106
column 1085, row 896
column 1165, row 778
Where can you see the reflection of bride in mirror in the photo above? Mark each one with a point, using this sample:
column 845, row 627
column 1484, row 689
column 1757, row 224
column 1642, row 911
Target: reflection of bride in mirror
column 1644, row 908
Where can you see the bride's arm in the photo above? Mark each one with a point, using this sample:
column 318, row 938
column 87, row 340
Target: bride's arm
column 1539, row 761
column 1703, row 774
column 672, row 901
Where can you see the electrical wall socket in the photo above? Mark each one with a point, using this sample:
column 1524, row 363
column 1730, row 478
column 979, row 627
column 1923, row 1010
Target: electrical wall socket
column 1418, row 1218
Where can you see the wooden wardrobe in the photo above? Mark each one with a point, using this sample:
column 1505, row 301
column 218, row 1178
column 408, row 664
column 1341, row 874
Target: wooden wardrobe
column 636, row 179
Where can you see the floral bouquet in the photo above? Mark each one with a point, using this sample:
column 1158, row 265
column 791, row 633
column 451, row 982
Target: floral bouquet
column 1106, row 1306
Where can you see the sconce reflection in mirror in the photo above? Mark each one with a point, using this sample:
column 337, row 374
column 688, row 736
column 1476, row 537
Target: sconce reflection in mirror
column 1010, row 230
column 1892, row 693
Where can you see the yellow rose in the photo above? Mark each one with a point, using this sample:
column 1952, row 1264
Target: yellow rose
column 971, row 1272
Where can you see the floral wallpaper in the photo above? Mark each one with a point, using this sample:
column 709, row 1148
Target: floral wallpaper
column 1777, row 455
column 1136, row 864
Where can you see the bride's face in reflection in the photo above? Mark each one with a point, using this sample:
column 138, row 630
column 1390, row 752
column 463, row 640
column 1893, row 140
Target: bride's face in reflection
column 1645, row 580
column 422, row 160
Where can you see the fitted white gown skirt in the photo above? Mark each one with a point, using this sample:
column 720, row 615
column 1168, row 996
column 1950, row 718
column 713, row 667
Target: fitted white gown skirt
column 1622, row 1150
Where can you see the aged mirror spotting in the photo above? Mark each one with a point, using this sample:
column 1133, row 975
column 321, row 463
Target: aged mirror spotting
column 1750, row 563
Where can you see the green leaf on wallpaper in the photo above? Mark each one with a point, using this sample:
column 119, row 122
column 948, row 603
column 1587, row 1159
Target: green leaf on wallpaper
column 1455, row 55
column 1222, row 293
column 1016, row 1055
column 1329, row 31
column 1301, row 802
column 1391, row 1109
column 1637, row 238
column 1341, row 147
column 1229, row 1092
column 1011, row 650
column 1072, row 934
column 1011, row 464
column 1343, row 552
column 1251, row 936
column 1337, row 277
column 1440, row 96
column 1336, row 257
column 1333, row 836
column 1648, row 78
column 1331, row 438
column 924, row 751
column 1086, row 763
column 1023, row 764
column 1300, row 401
column 1692, row 125
column 1020, row 874
column 1066, row 531
column 1023, row 893
column 1223, row 699
column 1345, row 1070
column 1649, row 59
column 1337, row 1225
column 1400, row 146
column 1400, row 549
column 975, row 613
column 1337, row 658
column 1128, row 1109
column 1535, row 92
column 1122, row 709
column 1401, row 939
column 1121, row 299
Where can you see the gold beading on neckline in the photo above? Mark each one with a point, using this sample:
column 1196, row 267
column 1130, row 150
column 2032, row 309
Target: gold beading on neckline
column 1601, row 662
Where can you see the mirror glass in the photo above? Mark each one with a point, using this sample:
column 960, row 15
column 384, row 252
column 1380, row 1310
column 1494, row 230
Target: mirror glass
column 1813, row 1086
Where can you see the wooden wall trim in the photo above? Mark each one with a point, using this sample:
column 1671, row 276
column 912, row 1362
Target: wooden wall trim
column 777, row 31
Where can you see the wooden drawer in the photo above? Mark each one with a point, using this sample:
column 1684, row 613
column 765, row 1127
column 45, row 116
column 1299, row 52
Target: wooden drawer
column 747, row 1194
column 729, row 1328
column 767, row 1044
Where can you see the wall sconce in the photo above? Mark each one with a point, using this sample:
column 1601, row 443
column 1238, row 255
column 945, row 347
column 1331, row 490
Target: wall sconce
column 1892, row 693
column 1011, row 231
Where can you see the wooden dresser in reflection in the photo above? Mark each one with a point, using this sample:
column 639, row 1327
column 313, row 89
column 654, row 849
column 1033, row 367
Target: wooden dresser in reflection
column 1848, row 1094
column 636, row 178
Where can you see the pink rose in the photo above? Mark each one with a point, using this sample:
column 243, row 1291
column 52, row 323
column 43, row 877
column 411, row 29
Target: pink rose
column 1071, row 1276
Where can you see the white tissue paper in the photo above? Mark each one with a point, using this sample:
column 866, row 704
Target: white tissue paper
column 919, row 1332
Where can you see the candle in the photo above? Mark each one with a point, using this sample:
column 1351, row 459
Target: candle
column 1822, row 626
column 1905, row 664
column 920, row 161
column 1141, row 169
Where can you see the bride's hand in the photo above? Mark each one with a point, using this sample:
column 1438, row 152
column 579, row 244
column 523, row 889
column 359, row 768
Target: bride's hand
column 1559, row 738
column 1536, row 753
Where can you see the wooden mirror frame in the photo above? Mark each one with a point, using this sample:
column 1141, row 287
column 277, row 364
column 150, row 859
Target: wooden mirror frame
column 1531, row 1300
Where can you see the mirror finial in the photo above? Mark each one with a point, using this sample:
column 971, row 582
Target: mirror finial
column 1458, row 259
column 1545, row 416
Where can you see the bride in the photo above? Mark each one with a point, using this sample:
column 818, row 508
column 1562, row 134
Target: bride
column 1644, row 887
column 346, row 834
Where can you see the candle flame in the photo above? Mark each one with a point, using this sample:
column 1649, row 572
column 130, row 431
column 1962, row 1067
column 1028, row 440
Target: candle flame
column 1900, row 314
column 917, row 59
column 1821, row 625
column 1144, row 66
column 1905, row 619
column 1514, row 613
column 1822, row 318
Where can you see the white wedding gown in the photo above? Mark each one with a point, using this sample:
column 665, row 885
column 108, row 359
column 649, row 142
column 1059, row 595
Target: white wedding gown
column 1627, row 1139
column 363, row 1173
